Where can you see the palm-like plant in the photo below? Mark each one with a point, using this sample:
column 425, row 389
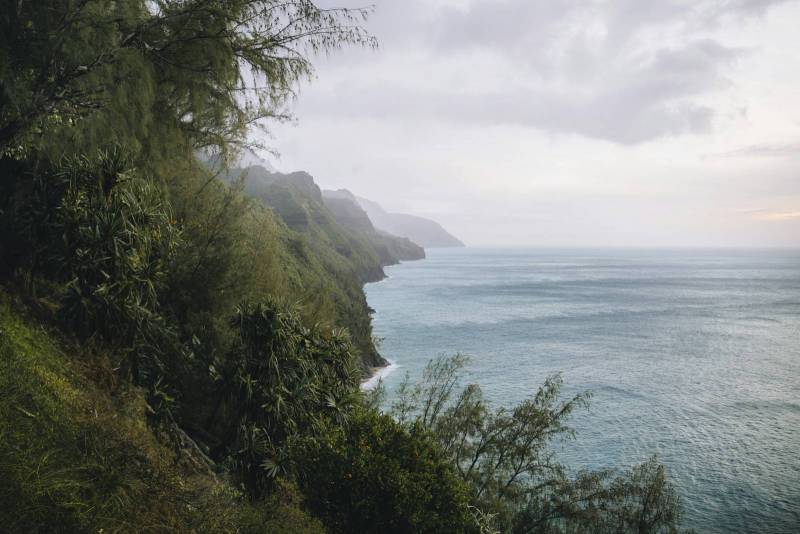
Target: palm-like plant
column 285, row 381
column 106, row 236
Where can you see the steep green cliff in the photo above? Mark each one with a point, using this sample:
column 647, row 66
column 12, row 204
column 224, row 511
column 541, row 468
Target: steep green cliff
column 391, row 249
column 332, row 240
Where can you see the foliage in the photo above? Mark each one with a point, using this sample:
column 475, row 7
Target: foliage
column 280, row 513
column 640, row 500
column 212, row 69
column 283, row 380
column 504, row 455
column 232, row 252
column 376, row 476
column 107, row 237
column 75, row 459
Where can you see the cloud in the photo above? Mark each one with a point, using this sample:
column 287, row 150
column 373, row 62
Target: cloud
column 780, row 215
column 768, row 215
column 552, row 25
column 629, row 105
column 783, row 150
column 724, row 8
column 623, row 71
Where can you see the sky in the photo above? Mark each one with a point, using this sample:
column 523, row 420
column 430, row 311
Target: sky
column 564, row 122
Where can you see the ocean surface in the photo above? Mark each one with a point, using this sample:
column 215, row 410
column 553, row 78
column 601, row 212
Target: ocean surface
column 690, row 354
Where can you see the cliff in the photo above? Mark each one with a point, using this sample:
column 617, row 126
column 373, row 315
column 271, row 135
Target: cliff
column 424, row 232
column 331, row 245
column 352, row 216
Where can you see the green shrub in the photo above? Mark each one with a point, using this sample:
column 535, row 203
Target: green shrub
column 376, row 476
column 102, row 239
column 74, row 458
column 279, row 513
column 282, row 380
column 505, row 456
column 641, row 500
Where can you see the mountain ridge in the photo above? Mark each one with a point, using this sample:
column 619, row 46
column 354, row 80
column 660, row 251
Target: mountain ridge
column 423, row 231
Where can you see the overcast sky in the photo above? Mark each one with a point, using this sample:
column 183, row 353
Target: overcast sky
column 566, row 122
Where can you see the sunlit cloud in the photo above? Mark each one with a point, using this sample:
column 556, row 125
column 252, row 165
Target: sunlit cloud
column 780, row 215
column 763, row 214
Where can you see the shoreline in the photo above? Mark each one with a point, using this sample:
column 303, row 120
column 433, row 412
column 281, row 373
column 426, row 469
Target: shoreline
column 378, row 374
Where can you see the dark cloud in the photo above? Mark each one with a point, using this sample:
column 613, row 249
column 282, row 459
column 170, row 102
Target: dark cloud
column 629, row 106
column 601, row 70
column 509, row 23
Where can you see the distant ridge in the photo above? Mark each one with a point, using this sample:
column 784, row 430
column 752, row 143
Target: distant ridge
column 339, row 222
column 422, row 231
column 336, row 244
column 351, row 215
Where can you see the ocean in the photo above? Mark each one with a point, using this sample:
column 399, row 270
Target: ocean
column 693, row 355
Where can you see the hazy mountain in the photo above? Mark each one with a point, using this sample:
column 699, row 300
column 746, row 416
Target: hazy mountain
column 346, row 208
column 338, row 221
column 420, row 230
column 352, row 216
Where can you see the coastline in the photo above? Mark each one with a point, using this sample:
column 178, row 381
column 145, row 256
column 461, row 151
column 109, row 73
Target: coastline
column 378, row 374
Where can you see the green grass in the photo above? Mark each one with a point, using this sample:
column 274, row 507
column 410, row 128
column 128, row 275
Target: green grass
column 76, row 456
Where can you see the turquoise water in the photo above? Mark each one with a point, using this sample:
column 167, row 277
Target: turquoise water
column 691, row 354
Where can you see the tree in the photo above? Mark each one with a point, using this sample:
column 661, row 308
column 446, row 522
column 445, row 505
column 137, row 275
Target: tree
column 640, row 500
column 504, row 455
column 376, row 476
column 501, row 452
column 100, row 237
column 200, row 72
column 282, row 381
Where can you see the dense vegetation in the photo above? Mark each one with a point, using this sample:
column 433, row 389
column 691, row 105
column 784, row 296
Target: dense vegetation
column 343, row 250
column 177, row 355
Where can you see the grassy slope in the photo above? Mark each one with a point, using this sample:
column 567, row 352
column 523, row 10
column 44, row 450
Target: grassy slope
column 77, row 455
